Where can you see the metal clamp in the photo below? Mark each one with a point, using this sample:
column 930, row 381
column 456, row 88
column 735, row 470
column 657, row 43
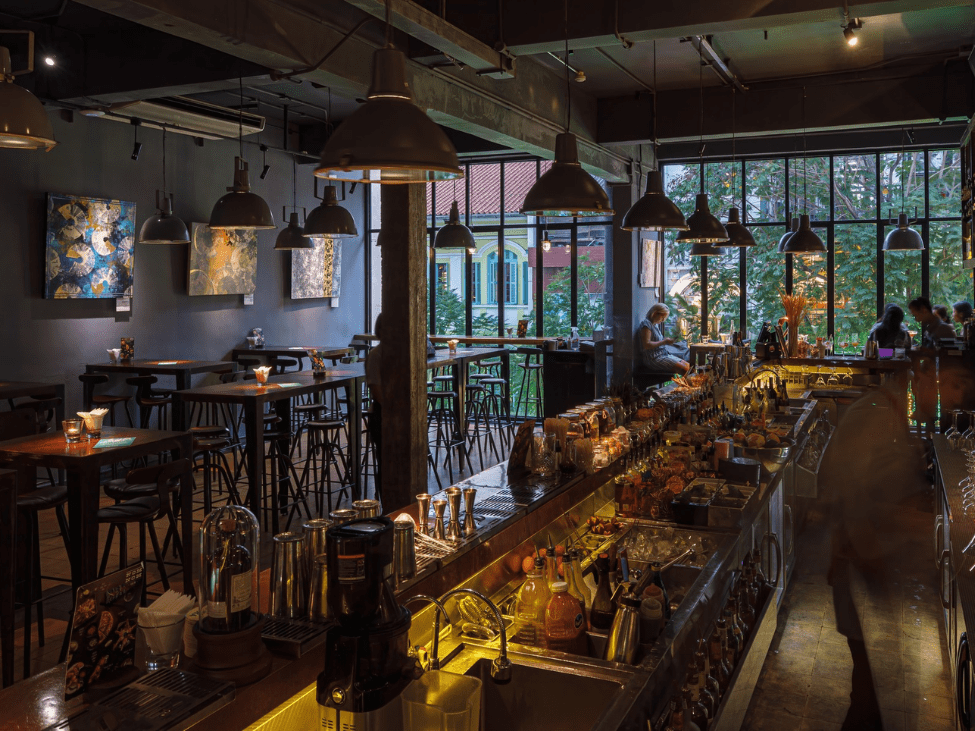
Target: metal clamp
column 942, row 562
column 939, row 524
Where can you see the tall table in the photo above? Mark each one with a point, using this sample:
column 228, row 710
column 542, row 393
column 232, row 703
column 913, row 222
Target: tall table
column 182, row 370
column 286, row 351
column 279, row 391
column 83, row 464
column 458, row 363
column 19, row 389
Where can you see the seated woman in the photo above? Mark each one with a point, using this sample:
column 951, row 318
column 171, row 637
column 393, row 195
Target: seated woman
column 890, row 331
column 961, row 311
column 660, row 354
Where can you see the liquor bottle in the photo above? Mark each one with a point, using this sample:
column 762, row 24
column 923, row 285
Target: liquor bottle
column 728, row 648
column 718, row 665
column 551, row 564
column 690, row 722
column 568, row 571
column 675, row 716
column 530, row 606
column 736, row 635
column 710, row 688
column 694, row 708
column 229, row 596
column 602, row 613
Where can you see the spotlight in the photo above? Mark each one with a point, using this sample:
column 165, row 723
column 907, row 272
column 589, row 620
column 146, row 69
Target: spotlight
column 49, row 60
column 267, row 168
column 137, row 147
column 848, row 31
column 580, row 76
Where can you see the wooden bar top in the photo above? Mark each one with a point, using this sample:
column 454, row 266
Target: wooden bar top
column 844, row 361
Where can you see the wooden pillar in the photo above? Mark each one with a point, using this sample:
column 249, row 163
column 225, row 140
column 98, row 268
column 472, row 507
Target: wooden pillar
column 404, row 359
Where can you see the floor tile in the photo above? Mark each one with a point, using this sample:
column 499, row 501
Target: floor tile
column 934, row 706
column 812, row 724
column 831, row 707
column 927, row 685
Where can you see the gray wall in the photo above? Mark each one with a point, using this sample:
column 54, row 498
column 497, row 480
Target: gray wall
column 52, row 340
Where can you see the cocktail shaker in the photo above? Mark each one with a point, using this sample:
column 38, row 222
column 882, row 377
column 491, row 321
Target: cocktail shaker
column 367, row 508
column 339, row 517
column 470, row 524
column 423, row 513
column 289, row 588
column 314, row 531
column 318, row 594
column 439, row 506
column 454, row 532
column 404, row 550
column 624, row 637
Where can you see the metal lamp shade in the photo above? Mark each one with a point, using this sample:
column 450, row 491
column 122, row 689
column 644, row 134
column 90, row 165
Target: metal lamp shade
column 293, row 236
column 654, row 211
column 240, row 208
column 805, row 240
column 788, row 235
column 23, row 122
column 704, row 228
column 566, row 189
column 738, row 235
column 164, row 227
column 330, row 219
column 389, row 139
column 454, row 234
column 903, row 238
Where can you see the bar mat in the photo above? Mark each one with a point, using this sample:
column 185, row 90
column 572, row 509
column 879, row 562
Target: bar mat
column 166, row 699
column 291, row 637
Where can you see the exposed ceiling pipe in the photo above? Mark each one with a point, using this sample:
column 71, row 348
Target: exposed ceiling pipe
column 714, row 61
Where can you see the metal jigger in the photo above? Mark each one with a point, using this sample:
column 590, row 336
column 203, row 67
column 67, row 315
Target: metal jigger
column 470, row 525
column 453, row 527
column 439, row 506
column 423, row 514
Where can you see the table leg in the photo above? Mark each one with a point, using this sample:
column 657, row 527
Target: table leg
column 253, row 428
column 354, row 395
column 83, row 489
column 506, row 375
column 460, row 403
column 183, row 382
column 8, row 547
column 179, row 411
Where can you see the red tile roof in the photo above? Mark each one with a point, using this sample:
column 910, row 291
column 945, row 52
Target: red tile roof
column 485, row 184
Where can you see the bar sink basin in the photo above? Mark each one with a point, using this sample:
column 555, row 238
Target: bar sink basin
column 540, row 698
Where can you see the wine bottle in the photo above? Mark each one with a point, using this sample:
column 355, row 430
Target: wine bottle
column 228, row 604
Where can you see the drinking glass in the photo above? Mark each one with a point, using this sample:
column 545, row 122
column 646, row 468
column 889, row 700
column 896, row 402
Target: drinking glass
column 953, row 433
column 72, row 430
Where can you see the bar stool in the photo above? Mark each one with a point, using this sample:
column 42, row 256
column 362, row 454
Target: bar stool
column 149, row 401
column 496, row 401
column 324, row 452
column 531, row 377
column 103, row 400
column 477, row 416
column 211, row 442
column 440, row 417
column 144, row 511
column 282, row 365
column 287, row 492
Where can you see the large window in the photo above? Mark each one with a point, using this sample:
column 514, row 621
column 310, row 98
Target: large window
column 850, row 200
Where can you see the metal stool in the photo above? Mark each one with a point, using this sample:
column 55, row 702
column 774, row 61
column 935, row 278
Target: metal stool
column 284, row 481
column 324, row 452
column 496, row 401
column 148, row 400
column 103, row 400
column 477, row 415
column 531, row 377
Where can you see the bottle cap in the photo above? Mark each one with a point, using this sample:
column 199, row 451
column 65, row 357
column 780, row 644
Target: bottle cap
column 559, row 586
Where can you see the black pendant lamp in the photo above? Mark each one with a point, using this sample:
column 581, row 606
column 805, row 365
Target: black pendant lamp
column 389, row 139
column 804, row 240
column 164, row 227
column 738, row 235
column 293, row 236
column 566, row 189
column 654, row 211
column 330, row 219
column 24, row 123
column 454, row 234
column 903, row 238
column 239, row 208
column 788, row 235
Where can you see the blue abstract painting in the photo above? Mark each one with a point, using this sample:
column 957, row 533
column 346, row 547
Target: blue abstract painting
column 90, row 247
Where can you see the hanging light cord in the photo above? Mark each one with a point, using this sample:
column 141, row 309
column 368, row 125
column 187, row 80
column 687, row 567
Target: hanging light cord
column 805, row 157
column 700, row 150
column 240, row 116
column 903, row 167
column 568, row 85
column 653, row 139
column 294, row 182
column 389, row 25
column 164, row 162
column 734, row 166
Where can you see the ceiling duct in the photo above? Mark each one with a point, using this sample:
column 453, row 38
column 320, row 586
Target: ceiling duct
column 183, row 115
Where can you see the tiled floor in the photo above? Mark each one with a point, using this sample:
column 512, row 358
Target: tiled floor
column 57, row 595
column 805, row 683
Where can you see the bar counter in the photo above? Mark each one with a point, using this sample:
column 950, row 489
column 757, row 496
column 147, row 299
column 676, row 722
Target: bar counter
column 641, row 691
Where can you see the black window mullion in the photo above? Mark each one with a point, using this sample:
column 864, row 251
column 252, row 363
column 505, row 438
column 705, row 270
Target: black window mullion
column 925, row 232
column 743, row 261
column 788, row 224
column 880, row 244
column 432, row 257
column 573, row 275
column 704, row 296
column 831, row 250
column 499, row 281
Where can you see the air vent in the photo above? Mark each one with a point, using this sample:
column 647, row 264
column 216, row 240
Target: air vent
column 183, row 115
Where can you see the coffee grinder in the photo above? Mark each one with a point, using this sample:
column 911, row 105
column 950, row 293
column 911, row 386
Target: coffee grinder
column 367, row 658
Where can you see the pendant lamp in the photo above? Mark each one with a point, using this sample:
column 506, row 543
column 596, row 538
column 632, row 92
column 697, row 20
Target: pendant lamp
column 903, row 238
column 788, row 235
column 703, row 226
column 239, row 208
column 293, row 236
column 330, row 219
column 738, row 235
column 804, row 240
column 566, row 189
column 24, row 123
column 164, row 227
column 546, row 242
column 454, row 234
column 654, row 211
column 389, row 139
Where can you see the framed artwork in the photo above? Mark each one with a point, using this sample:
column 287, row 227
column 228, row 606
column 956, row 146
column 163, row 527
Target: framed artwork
column 317, row 272
column 90, row 247
column 222, row 262
column 651, row 252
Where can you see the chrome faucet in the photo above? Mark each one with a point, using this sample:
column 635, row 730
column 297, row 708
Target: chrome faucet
column 439, row 609
column 501, row 666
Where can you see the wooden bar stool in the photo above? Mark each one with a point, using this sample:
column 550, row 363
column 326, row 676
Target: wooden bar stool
column 149, row 401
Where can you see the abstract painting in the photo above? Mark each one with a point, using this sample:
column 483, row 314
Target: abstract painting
column 650, row 270
column 317, row 272
column 222, row 261
column 89, row 248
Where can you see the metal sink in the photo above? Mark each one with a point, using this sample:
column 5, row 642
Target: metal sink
column 540, row 697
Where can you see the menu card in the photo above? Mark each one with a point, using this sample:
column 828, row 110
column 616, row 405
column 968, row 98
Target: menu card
column 102, row 648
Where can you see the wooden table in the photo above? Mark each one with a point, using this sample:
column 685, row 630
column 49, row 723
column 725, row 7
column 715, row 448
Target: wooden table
column 83, row 465
column 290, row 351
column 18, row 389
column 458, row 362
column 182, row 370
column 252, row 397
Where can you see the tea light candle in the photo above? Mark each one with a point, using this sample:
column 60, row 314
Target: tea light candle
column 72, row 430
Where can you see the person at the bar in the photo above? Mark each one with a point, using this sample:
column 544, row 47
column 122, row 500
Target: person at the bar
column 942, row 312
column 661, row 354
column 890, row 331
column 961, row 311
column 933, row 328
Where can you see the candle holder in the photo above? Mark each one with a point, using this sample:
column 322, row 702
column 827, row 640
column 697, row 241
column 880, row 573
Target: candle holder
column 452, row 346
column 73, row 429
column 262, row 373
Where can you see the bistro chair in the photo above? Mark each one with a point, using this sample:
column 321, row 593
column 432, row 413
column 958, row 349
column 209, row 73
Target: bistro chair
column 94, row 400
column 14, row 424
column 145, row 511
